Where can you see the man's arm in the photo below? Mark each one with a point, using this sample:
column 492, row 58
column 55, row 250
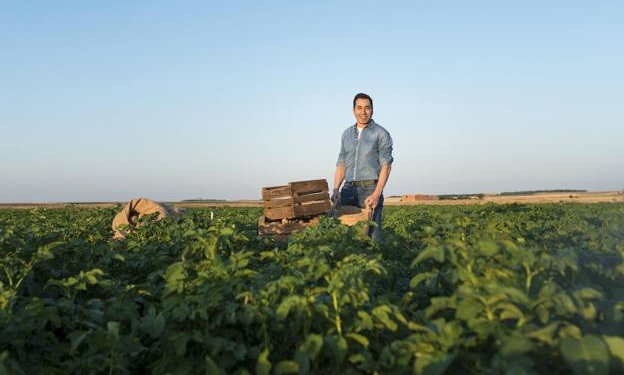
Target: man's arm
column 373, row 199
column 340, row 171
column 338, row 178
column 385, row 160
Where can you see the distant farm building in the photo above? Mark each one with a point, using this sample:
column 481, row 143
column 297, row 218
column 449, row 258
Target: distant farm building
column 418, row 197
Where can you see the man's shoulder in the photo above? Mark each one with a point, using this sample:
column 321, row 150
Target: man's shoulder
column 380, row 128
column 348, row 130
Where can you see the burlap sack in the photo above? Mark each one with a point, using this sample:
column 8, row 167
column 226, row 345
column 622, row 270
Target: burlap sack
column 135, row 209
column 351, row 215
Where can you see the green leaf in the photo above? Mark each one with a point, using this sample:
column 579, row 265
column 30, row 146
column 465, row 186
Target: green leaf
column 227, row 231
column 487, row 248
column 365, row 321
column 419, row 279
column 289, row 303
column 565, row 303
column 153, row 324
column 432, row 364
column 468, row 309
column 360, row 339
column 308, row 351
column 381, row 313
column 616, row 347
column 438, row 304
column 179, row 341
column 510, row 311
column 543, row 314
column 337, row 345
column 91, row 276
column 358, row 358
column 588, row 293
column 99, row 340
column 113, row 329
column 515, row 345
column 264, row 255
column 263, row 365
column 418, row 327
column 75, row 338
column 211, row 367
column 589, row 356
column 45, row 251
column 570, row 330
column 545, row 334
column 175, row 276
column 436, row 253
column 450, row 335
column 7, row 365
column 286, row 367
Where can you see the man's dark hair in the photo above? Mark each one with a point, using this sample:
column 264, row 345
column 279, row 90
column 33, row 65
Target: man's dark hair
column 361, row 95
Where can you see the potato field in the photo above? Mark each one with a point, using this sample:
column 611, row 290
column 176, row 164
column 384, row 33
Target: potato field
column 483, row 289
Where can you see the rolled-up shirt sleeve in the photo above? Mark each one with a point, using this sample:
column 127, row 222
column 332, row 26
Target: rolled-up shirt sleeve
column 342, row 156
column 385, row 149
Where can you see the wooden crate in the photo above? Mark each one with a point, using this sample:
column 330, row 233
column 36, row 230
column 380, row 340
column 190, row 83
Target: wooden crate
column 296, row 200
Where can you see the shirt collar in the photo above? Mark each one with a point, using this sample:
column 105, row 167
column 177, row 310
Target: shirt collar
column 371, row 124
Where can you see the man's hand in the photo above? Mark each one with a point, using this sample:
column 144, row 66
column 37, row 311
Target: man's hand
column 372, row 200
column 338, row 178
column 336, row 196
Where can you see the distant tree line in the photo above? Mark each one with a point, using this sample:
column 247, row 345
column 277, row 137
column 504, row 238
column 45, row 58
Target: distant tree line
column 531, row 192
column 460, row 196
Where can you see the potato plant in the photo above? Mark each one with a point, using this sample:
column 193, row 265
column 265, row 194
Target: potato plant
column 490, row 289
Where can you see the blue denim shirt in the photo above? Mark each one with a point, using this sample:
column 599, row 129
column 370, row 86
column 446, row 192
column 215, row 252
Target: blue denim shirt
column 363, row 158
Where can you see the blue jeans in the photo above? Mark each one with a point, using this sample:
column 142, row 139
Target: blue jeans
column 352, row 195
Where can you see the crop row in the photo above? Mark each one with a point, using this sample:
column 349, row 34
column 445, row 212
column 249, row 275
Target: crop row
column 493, row 289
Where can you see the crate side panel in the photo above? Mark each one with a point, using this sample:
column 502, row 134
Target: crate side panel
column 275, row 203
column 317, row 208
column 322, row 196
column 279, row 213
column 303, row 187
column 269, row 193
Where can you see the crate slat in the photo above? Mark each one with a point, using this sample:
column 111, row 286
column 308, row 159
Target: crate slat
column 275, row 203
column 312, row 209
column 324, row 195
column 307, row 187
column 287, row 212
column 276, row 192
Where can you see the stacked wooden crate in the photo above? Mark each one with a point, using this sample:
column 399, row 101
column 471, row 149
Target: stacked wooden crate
column 291, row 208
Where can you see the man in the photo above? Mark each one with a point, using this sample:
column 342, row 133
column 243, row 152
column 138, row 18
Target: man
column 364, row 163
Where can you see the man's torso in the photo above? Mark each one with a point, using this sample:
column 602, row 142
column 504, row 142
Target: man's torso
column 363, row 155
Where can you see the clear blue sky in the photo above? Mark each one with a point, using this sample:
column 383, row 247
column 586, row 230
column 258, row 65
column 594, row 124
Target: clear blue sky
column 171, row 100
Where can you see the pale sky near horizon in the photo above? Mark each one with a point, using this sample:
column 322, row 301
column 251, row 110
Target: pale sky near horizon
column 104, row 101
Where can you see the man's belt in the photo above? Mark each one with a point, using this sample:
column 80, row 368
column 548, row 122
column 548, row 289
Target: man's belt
column 363, row 183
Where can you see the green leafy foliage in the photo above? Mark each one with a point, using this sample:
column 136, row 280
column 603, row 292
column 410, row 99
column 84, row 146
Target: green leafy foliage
column 509, row 289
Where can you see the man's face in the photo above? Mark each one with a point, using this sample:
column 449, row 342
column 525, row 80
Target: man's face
column 363, row 111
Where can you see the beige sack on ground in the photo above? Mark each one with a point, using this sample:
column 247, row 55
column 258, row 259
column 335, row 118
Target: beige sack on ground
column 137, row 208
column 351, row 215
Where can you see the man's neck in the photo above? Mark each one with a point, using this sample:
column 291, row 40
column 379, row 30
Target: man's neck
column 362, row 126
